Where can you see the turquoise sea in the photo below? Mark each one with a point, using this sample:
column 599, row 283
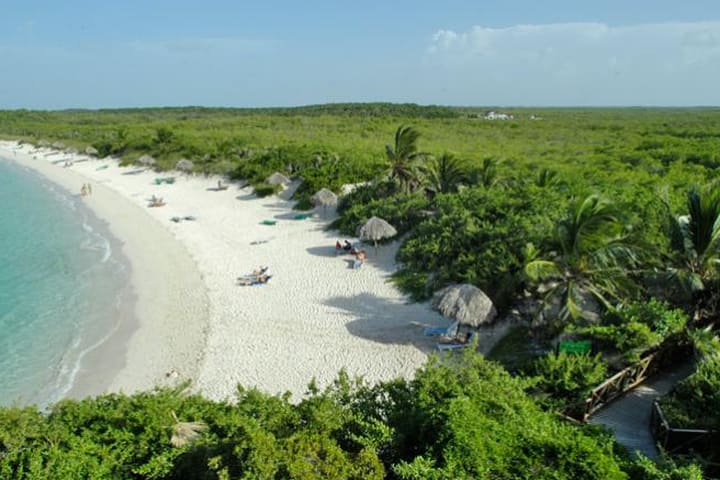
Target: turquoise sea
column 62, row 284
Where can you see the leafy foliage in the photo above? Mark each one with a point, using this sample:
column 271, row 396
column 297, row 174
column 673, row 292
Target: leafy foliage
column 695, row 402
column 636, row 327
column 568, row 378
column 477, row 236
column 595, row 252
column 463, row 419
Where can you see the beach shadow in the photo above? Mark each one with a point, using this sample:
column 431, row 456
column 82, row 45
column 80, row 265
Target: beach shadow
column 247, row 196
column 324, row 251
column 291, row 216
column 135, row 172
column 385, row 322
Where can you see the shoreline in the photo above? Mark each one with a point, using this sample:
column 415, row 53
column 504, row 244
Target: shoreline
column 315, row 317
column 124, row 361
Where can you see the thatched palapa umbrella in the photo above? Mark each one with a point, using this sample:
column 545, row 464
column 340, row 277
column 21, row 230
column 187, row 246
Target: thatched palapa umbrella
column 465, row 303
column 147, row 160
column 92, row 151
column 376, row 229
column 277, row 178
column 184, row 165
column 58, row 145
column 185, row 433
column 324, row 198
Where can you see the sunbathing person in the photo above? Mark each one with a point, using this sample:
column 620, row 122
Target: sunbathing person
column 260, row 271
column 458, row 339
column 348, row 246
column 156, row 202
column 360, row 257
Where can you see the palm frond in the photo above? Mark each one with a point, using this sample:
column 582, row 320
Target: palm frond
column 539, row 270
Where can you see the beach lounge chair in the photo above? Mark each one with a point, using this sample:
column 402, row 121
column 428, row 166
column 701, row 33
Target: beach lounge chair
column 302, row 216
column 449, row 331
column 457, row 345
column 268, row 222
column 252, row 280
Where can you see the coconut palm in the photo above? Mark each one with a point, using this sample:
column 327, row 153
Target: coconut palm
column 487, row 174
column 403, row 157
column 547, row 178
column 695, row 245
column 445, row 173
column 596, row 252
column 695, row 238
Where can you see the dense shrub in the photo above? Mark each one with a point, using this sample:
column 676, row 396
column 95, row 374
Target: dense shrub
column 695, row 402
column 478, row 236
column 636, row 327
column 403, row 211
column 264, row 189
column 643, row 468
column 463, row 419
column 568, row 378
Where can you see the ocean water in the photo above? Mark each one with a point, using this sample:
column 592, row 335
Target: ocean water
column 62, row 286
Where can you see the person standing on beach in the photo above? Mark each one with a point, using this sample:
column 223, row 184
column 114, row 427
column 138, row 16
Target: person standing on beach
column 83, row 190
column 89, row 189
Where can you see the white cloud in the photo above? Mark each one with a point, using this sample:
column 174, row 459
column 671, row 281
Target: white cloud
column 581, row 63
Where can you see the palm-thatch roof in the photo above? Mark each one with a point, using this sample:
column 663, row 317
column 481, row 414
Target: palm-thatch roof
column 324, row 198
column 184, row 165
column 277, row 178
column 58, row 145
column 185, row 432
column 465, row 303
column 91, row 151
column 146, row 160
column 376, row 229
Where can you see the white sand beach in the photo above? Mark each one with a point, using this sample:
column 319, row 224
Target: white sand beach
column 315, row 316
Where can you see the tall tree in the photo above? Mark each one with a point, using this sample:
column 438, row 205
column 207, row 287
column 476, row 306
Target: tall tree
column 445, row 173
column 695, row 245
column 595, row 252
column 403, row 157
column 487, row 174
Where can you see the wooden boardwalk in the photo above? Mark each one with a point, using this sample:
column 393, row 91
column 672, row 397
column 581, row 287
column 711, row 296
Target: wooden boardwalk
column 629, row 416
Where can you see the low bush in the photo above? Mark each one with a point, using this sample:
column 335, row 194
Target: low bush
column 695, row 402
column 568, row 378
column 264, row 189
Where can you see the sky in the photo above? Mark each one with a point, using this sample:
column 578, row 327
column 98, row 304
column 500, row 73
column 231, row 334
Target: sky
column 131, row 53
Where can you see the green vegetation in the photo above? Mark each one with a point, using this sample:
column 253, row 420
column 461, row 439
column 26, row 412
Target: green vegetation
column 695, row 402
column 636, row 327
column 467, row 419
column 606, row 219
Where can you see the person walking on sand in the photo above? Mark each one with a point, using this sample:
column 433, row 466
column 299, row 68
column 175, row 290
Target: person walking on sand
column 89, row 189
column 83, row 190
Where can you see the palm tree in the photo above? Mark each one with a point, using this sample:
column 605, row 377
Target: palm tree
column 487, row 174
column 595, row 254
column 445, row 173
column 547, row 178
column 404, row 158
column 695, row 244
